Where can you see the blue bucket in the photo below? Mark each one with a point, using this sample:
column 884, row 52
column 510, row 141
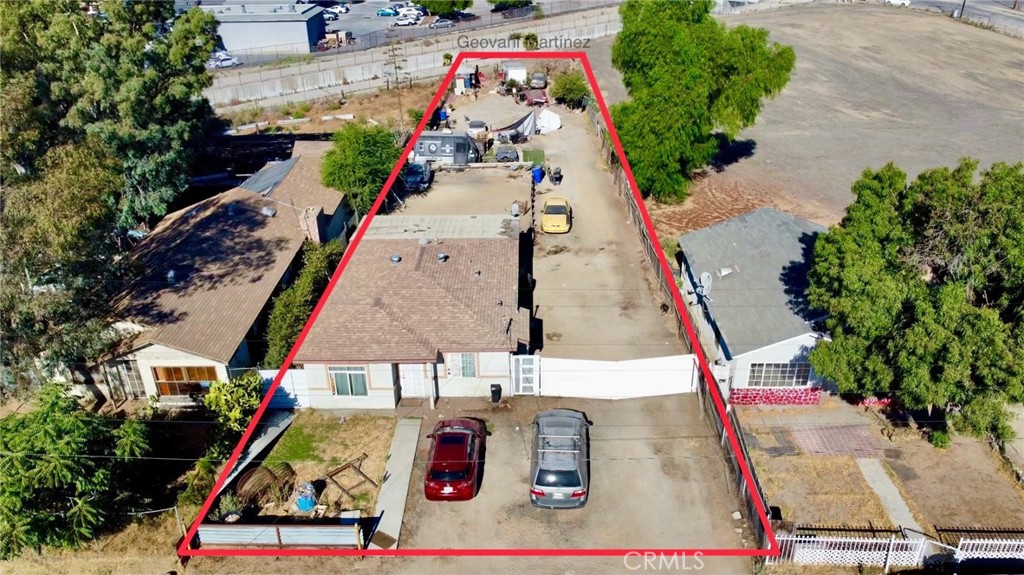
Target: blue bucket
column 538, row 174
column 305, row 503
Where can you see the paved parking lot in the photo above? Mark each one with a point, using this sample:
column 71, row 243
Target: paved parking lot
column 658, row 480
column 593, row 293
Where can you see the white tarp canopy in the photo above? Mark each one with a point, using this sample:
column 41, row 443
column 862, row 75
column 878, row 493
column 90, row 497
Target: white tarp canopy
column 548, row 121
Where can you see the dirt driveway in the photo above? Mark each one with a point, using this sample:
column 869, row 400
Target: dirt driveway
column 658, row 480
column 870, row 85
column 593, row 293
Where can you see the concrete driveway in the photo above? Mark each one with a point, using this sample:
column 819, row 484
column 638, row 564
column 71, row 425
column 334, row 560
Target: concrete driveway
column 658, row 480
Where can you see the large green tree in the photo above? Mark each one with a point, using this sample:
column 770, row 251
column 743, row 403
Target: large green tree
column 360, row 162
column 101, row 119
column 64, row 473
column 689, row 78
column 924, row 287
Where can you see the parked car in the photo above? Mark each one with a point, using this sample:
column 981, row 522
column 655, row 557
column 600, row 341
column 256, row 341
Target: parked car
column 222, row 60
column 539, row 81
column 330, row 16
column 387, row 12
column 406, row 21
column 416, row 177
column 506, row 154
column 442, row 23
column 410, row 11
column 560, row 470
column 456, row 455
column 337, row 10
column 475, row 128
column 556, row 217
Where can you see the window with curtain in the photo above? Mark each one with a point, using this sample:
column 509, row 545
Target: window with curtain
column 348, row 380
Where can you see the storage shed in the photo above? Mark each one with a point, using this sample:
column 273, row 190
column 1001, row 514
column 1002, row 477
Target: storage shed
column 514, row 71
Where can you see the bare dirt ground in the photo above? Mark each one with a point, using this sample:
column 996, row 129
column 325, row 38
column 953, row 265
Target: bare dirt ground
column 658, row 480
column 593, row 291
column 959, row 486
column 317, row 443
column 870, row 86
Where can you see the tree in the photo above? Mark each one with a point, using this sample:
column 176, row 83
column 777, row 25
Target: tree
column 924, row 287
column 445, row 7
column 689, row 77
column 360, row 162
column 294, row 305
column 99, row 123
column 571, row 88
column 64, row 472
column 233, row 403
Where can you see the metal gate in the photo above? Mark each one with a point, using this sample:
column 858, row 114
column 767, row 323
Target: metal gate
column 525, row 375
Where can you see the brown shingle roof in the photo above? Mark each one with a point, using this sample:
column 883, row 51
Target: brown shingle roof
column 408, row 312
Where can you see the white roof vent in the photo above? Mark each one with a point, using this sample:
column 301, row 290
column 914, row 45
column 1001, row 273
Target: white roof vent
column 722, row 272
column 172, row 278
column 442, row 257
column 395, row 259
column 269, row 212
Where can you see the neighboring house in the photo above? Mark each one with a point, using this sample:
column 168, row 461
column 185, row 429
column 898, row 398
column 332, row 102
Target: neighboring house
column 209, row 273
column 428, row 307
column 751, row 314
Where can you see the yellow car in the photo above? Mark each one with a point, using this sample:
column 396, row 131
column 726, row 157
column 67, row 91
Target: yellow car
column 556, row 218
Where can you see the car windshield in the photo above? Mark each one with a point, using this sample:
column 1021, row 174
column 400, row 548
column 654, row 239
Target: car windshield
column 414, row 170
column 447, row 474
column 558, row 478
column 555, row 210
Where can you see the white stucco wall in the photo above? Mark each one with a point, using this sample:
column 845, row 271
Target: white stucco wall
column 155, row 355
column 379, row 388
column 491, row 368
column 790, row 350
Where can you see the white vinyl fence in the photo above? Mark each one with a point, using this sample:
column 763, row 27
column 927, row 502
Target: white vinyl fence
column 291, row 394
column 617, row 379
column 892, row 552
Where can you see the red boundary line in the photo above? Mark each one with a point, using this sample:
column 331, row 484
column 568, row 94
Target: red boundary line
column 184, row 550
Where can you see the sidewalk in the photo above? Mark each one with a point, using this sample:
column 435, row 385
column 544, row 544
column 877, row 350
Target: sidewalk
column 395, row 487
column 890, row 496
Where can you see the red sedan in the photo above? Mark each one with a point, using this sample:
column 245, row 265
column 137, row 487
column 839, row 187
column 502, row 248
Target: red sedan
column 455, row 459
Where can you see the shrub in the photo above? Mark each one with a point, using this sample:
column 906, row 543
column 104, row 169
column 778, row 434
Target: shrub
column 939, row 439
column 571, row 89
column 531, row 41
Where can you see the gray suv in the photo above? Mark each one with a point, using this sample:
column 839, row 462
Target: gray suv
column 560, row 472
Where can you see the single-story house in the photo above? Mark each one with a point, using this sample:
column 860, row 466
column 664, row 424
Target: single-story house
column 428, row 307
column 207, row 275
column 744, row 282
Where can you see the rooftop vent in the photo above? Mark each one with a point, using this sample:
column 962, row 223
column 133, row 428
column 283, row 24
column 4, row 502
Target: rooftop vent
column 243, row 8
column 477, row 273
column 171, row 277
column 424, row 241
column 395, row 259
column 442, row 257
column 722, row 272
column 269, row 212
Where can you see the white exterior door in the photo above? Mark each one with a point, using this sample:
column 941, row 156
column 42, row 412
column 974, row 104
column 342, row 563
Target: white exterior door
column 525, row 375
column 413, row 378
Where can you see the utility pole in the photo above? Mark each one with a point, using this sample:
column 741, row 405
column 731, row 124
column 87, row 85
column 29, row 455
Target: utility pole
column 396, row 63
column 962, row 6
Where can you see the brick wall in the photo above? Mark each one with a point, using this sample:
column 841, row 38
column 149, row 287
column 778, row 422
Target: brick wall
column 775, row 396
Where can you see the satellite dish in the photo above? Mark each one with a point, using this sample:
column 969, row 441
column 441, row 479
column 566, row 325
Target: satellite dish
column 704, row 284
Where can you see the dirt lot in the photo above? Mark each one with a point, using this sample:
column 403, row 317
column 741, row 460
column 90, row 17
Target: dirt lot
column 317, row 443
column 955, row 487
column 870, row 85
column 666, row 477
column 593, row 290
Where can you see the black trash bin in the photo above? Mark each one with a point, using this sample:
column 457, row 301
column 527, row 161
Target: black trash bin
column 495, row 393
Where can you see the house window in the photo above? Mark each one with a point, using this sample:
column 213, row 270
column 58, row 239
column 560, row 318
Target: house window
column 184, row 380
column 779, row 374
column 462, row 364
column 348, row 380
